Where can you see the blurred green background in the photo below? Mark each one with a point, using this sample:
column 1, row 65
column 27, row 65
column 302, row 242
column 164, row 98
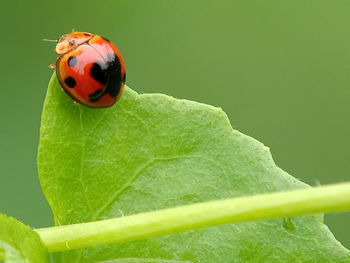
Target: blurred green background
column 280, row 70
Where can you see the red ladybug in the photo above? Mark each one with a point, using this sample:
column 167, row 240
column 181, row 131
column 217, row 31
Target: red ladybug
column 90, row 69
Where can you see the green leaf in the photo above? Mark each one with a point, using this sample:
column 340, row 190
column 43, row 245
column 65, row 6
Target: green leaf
column 152, row 151
column 19, row 243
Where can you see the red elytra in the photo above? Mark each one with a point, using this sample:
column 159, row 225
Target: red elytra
column 90, row 69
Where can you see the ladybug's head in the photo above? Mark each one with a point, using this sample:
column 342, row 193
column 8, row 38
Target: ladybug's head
column 71, row 41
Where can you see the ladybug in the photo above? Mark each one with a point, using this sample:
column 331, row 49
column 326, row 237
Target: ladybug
column 90, row 69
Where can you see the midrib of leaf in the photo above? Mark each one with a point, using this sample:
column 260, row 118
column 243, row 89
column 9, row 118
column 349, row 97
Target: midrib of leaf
column 82, row 158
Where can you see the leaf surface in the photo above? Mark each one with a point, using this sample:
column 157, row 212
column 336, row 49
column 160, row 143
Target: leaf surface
column 151, row 151
column 19, row 243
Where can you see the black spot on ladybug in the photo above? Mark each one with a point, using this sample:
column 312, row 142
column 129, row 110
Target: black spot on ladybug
column 93, row 97
column 70, row 82
column 108, row 74
column 106, row 39
column 72, row 61
column 98, row 74
column 114, row 78
column 110, row 57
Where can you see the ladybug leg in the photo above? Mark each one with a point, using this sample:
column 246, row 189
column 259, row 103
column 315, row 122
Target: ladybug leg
column 52, row 66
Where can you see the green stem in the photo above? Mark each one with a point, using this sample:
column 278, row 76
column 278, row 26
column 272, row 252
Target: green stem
column 174, row 220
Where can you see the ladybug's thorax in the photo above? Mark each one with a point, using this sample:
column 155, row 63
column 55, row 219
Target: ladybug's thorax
column 69, row 42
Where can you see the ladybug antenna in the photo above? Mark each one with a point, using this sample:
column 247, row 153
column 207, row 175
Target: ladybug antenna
column 49, row 40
